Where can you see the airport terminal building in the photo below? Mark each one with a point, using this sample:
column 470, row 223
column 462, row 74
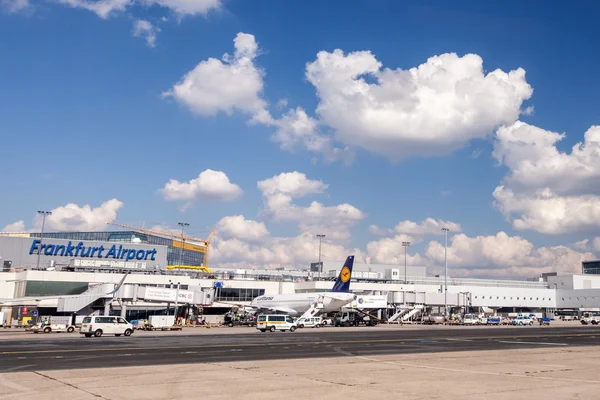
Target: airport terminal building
column 92, row 263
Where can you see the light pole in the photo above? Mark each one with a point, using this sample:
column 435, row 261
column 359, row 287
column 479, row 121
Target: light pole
column 176, row 300
column 182, row 225
column 446, row 273
column 43, row 213
column 320, row 236
column 405, row 245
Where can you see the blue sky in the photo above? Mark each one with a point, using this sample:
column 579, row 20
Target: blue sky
column 84, row 119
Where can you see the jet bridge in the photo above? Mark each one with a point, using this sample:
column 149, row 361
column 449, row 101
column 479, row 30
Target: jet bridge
column 135, row 293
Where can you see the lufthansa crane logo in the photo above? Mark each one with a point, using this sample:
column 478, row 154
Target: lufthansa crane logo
column 345, row 275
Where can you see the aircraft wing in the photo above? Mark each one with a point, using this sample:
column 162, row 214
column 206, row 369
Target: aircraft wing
column 67, row 296
column 340, row 297
column 278, row 310
column 262, row 308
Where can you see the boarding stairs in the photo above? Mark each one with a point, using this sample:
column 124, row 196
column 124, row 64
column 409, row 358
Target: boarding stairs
column 314, row 309
column 400, row 311
column 74, row 304
column 418, row 308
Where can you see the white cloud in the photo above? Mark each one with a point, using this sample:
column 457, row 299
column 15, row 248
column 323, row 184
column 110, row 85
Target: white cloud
column 234, row 83
column 581, row 245
column 102, row 8
column 476, row 153
column 503, row 256
column 333, row 221
column 236, row 226
column 391, row 251
column 15, row 6
column 144, row 29
column 429, row 226
column 72, row 217
column 18, row 226
column 432, row 109
column 295, row 129
column 596, row 244
column 547, row 190
column 209, row 185
column 276, row 252
column 292, row 184
column 535, row 162
column 547, row 212
column 187, row 7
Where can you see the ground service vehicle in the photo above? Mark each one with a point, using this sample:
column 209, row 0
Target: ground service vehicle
column 54, row 324
column 523, row 320
column 273, row 322
column 589, row 318
column 98, row 326
column 310, row 322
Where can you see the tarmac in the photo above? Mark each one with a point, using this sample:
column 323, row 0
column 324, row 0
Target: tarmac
column 417, row 362
column 548, row 373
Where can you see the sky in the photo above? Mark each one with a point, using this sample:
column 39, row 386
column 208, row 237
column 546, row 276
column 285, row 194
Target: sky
column 372, row 122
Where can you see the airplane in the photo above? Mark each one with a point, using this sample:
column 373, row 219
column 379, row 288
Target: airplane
column 68, row 296
column 297, row 304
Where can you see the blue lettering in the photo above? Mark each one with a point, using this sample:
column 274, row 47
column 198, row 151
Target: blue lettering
column 34, row 246
column 49, row 250
column 140, row 254
column 70, row 248
column 60, row 247
column 130, row 254
column 84, row 253
column 79, row 248
column 112, row 252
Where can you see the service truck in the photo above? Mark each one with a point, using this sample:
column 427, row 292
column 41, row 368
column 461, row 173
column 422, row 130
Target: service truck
column 53, row 324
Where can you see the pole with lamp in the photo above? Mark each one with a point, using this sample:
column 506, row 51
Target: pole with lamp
column 176, row 299
column 44, row 214
column 446, row 273
column 405, row 245
column 182, row 225
column 320, row 236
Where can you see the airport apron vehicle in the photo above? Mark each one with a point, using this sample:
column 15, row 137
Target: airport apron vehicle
column 54, row 324
column 275, row 322
column 309, row 322
column 98, row 326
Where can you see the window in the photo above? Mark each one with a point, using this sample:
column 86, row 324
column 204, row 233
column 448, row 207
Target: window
column 235, row 294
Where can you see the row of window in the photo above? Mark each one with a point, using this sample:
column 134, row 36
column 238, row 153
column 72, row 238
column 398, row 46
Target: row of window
column 187, row 257
column 518, row 298
column 233, row 294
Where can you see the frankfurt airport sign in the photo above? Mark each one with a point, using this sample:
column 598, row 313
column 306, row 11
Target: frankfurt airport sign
column 100, row 252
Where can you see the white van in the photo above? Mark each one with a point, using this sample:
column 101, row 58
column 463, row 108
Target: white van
column 98, row 326
column 275, row 322
column 310, row 322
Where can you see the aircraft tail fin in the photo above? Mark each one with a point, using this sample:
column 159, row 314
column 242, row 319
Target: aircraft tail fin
column 342, row 284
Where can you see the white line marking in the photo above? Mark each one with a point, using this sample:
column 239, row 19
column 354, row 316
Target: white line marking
column 544, row 343
column 460, row 340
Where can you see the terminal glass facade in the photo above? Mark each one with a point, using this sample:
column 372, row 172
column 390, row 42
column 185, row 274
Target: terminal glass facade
column 177, row 254
column 234, row 294
column 591, row 267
